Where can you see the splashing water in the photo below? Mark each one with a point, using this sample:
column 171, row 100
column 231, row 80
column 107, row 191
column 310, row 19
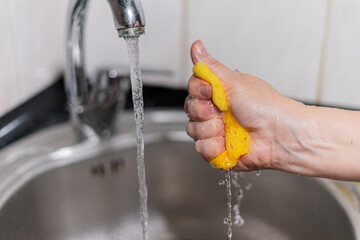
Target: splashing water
column 232, row 180
column 248, row 186
column 221, row 183
column 239, row 194
column 228, row 219
column 137, row 95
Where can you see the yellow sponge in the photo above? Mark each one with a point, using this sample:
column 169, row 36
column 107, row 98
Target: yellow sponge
column 237, row 140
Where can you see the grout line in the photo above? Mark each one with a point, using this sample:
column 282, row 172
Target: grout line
column 184, row 38
column 325, row 39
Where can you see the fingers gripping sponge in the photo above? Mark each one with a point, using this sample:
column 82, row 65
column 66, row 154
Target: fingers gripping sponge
column 237, row 140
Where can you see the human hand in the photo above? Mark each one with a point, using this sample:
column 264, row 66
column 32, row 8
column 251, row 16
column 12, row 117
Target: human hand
column 258, row 107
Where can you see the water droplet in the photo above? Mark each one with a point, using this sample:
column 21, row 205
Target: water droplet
column 238, row 221
column 248, row 186
column 221, row 183
column 229, row 234
column 113, row 74
column 258, row 173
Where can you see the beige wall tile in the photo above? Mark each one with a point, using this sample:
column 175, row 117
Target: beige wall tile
column 277, row 40
column 39, row 30
column 341, row 84
column 32, row 49
column 159, row 47
column 9, row 70
column 36, row 44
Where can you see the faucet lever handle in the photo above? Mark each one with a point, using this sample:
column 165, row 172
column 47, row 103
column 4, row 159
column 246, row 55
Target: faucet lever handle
column 107, row 98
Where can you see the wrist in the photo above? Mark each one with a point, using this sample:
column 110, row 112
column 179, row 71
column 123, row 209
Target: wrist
column 335, row 143
column 295, row 136
column 321, row 142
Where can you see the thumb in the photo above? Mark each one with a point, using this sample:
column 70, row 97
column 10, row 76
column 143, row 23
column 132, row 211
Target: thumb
column 199, row 53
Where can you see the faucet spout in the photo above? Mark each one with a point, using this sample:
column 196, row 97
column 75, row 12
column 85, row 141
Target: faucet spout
column 129, row 18
column 87, row 111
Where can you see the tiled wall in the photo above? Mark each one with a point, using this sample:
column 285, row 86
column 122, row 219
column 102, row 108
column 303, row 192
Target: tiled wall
column 31, row 48
column 307, row 49
column 341, row 81
column 278, row 40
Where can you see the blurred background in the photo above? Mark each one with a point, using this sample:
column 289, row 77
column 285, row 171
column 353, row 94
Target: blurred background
column 306, row 49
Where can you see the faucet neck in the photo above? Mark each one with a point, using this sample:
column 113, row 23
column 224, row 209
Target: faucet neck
column 94, row 116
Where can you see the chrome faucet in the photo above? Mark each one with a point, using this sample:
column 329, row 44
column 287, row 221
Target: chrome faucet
column 93, row 106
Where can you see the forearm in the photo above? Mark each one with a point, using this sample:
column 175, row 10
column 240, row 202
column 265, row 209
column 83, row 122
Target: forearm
column 323, row 142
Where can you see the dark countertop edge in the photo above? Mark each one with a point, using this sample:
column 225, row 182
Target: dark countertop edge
column 49, row 107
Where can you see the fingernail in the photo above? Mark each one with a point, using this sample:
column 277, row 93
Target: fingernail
column 205, row 91
column 200, row 49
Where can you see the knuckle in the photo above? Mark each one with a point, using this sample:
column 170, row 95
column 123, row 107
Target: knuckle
column 219, row 127
column 189, row 129
column 192, row 109
column 220, row 145
column 198, row 146
column 214, row 63
column 202, row 131
column 204, row 110
column 201, row 111
column 191, row 83
column 187, row 102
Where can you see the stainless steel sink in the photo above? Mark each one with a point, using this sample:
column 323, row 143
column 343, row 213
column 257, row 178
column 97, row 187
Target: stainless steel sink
column 52, row 188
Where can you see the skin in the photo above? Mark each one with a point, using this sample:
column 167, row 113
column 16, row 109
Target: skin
column 284, row 134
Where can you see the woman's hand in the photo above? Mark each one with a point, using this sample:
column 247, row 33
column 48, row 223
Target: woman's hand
column 284, row 134
column 254, row 104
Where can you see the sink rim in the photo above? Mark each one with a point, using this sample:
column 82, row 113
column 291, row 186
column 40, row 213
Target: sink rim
column 16, row 174
column 19, row 171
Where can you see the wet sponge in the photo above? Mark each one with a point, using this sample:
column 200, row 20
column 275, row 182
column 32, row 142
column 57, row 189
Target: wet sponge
column 237, row 140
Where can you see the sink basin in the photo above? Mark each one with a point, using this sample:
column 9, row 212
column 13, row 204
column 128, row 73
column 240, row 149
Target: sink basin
column 62, row 190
